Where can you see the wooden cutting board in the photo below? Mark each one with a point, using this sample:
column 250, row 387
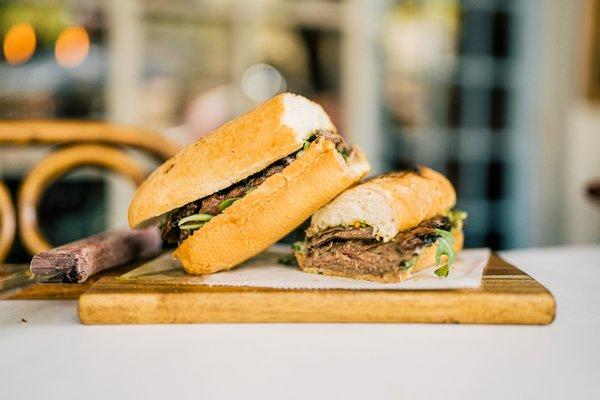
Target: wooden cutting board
column 507, row 296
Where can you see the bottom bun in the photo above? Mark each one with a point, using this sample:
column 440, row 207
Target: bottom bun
column 272, row 210
column 425, row 260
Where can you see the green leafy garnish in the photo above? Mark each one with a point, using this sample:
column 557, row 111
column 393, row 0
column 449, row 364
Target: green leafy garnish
column 299, row 246
column 226, row 203
column 191, row 226
column 304, row 147
column 344, row 153
column 445, row 247
column 442, row 271
column 457, row 218
column 194, row 218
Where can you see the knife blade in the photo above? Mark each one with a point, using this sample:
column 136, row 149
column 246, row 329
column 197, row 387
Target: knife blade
column 18, row 277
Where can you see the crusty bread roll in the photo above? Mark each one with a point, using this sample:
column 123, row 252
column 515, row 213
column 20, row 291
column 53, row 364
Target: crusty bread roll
column 384, row 229
column 390, row 204
column 425, row 260
column 272, row 210
column 238, row 149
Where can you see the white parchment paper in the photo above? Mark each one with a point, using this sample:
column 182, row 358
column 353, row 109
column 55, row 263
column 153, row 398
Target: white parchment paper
column 265, row 271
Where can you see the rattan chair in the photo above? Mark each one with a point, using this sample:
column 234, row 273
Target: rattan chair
column 82, row 144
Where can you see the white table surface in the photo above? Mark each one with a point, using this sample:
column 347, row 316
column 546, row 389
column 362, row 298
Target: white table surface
column 52, row 356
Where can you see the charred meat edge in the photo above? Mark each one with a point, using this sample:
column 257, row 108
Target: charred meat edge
column 172, row 235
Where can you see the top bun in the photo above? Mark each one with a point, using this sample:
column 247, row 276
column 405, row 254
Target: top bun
column 390, row 203
column 236, row 150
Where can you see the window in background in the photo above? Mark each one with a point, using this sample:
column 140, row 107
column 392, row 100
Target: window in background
column 448, row 91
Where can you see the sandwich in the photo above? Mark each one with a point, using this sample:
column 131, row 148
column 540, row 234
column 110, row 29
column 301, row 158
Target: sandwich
column 239, row 189
column 385, row 229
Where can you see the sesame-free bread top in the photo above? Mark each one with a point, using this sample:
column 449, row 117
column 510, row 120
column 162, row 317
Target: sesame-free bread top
column 272, row 210
column 236, row 150
column 390, row 203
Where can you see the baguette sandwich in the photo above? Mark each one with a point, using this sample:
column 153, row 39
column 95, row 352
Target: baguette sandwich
column 385, row 229
column 236, row 191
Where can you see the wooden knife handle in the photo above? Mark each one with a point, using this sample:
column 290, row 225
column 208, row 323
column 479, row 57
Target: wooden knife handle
column 75, row 262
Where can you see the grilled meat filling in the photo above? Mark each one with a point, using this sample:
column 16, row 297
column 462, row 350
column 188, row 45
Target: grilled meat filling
column 355, row 251
column 173, row 235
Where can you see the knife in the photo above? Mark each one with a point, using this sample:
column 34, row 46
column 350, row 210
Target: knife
column 77, row 261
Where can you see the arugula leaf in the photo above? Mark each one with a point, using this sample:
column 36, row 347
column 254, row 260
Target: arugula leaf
column 226, row 203
column 445, row 246
column 303, row 149
column 299, row 246
column 344, row 153
column 442, row 271
column 191, row 226
column 457, row 218
column 195, row 218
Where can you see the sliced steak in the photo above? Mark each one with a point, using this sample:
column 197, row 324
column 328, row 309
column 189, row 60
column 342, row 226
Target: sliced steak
column 341, row 233
column 354, row 251
column 171, row 233
column 356, row 257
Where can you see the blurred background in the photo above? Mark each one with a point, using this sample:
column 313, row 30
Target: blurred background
column 501, row 96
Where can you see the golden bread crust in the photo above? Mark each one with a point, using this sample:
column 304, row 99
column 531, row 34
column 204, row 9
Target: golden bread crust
column 272, row 210
column 236, row 150
column 403, row 200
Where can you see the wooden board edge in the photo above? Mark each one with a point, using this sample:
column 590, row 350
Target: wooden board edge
column 135, row 304
column 464, row 307
column 546, row 297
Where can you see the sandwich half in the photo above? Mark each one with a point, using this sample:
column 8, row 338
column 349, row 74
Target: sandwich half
column 385, row 229
column 236, row 191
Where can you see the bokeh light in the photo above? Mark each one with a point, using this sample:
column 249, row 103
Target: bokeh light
column 19, row 43
column 72, row 46
column 262, row 81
